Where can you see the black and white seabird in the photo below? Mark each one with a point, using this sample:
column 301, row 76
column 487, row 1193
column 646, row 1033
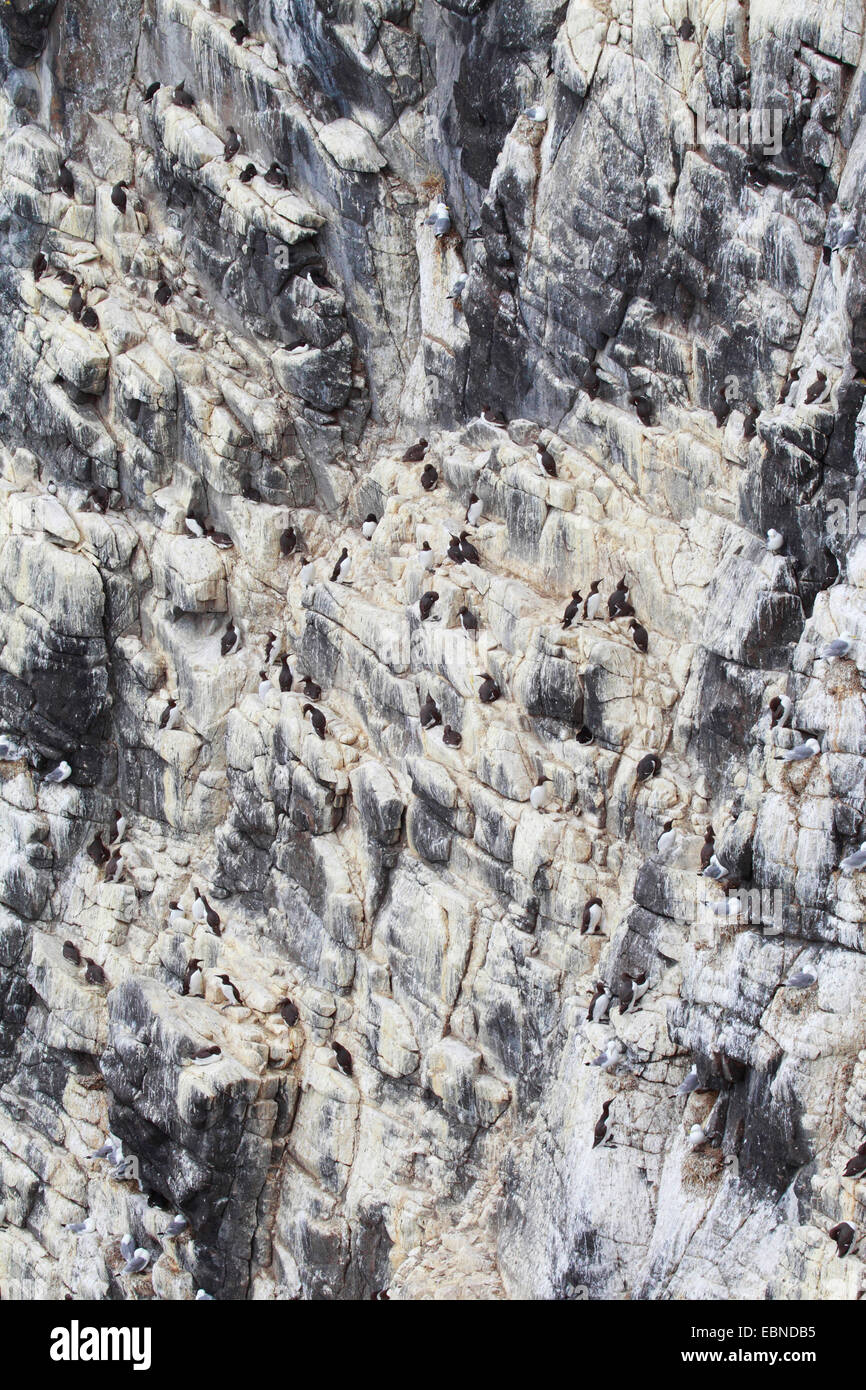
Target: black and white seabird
column 572, row 609
column 429, row 713
column 177, row 1225
column 203, row 1055
column 221, row 539
column 546, row 460
column 113, row 871
column 474, row 510
column 228, row 990
column 344, row 1058
column 668, row 839
column 368, row 527
column 618, row 605
column 311, row 689
column 592, row 921
column 494, row 417
column 138, row 1262
column 632, row 990
column 715, row 869
column 599, row 1003
column 585, row 735
column 203, row 912
column 89, row 318
column 185, row 339
column 232, row 143
column 247, row 174
column 488, row 691
column 163, row 293
column 169, row 716
column 429, row 478
column 342, row 568
column 856, row 1166
column 66, row 181
column 750, row 422
column 193, row 979
column 780, row 710
column 317, row 719
column 455, row 551
column 230, row 640
column 288, row 540
column 307, row 573
column 649, row 766
column 286, row 680
column 470, row 554
column 151, row 91
column 468, row 620
column 707, row 850
column 415, row 452
column 426, row 602
column 843, row 1234
column 640, row 636
column 71, row 952
column 686, row 30
column 98, row 852
column 118, row 195
column 239, row 31
column 39, row 265
column 94, row 974
column 450, row 737
column 816, row 390
column 276, row 176
column 601, row 1133
column 289, row 1012
column 76, row 303
column 181, row 97
column 592, row 606
column 643, row 408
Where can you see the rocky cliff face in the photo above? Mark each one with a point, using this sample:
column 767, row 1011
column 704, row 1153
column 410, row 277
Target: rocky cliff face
column 655, row 268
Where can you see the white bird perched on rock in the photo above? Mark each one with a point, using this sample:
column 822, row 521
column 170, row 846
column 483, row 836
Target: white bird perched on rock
column 139, row 1261
column 801, row 979
column 78, row 1228
column 698, row 1137
column 728, row 907
column 775, row 541
column 536, row 113
column 608, row 1059
column 202, row 1297
column 715, row 870
column 61, row 773
column 854, row 861
column 10, row 751
column 801, row 753
column 690, row 1084
column 112, row 1149
column 127, row 1246
column 540, row 794
column 440, row 219
column 308, row 572
column 838, row 648
column 176, row 1225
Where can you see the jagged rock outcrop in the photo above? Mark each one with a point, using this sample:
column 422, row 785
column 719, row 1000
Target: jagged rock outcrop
column 655, row 269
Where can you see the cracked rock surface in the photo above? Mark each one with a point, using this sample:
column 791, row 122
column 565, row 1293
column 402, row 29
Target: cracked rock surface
column 210, row 380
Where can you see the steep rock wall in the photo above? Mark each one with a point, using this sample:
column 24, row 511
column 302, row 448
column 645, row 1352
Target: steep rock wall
column 405, row 895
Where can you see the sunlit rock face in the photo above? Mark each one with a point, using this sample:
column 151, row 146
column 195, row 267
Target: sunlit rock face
column 655, row 271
